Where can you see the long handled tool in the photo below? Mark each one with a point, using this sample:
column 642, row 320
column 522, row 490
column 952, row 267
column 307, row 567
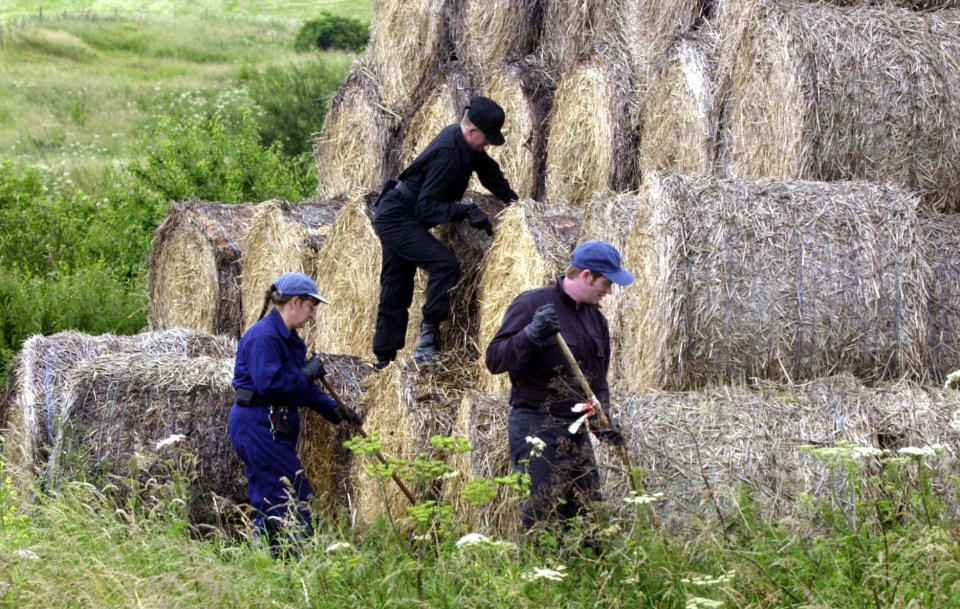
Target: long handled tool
column 602, row 415
column 363, row 434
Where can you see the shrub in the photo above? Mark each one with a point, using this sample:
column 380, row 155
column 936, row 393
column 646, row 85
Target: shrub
column 332, row 32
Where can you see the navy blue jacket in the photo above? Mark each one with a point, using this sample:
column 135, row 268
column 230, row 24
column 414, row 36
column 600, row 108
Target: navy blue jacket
column 541, row 378
column 270, row 361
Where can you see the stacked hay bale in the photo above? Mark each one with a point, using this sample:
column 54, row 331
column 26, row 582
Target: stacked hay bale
column 352, row 145
column 194, row 277
column 40, row 372
column 772, row 279
column 941, row 245
column 531, row 249
column 571, row 28
column 649, row 29
column 592, row 141
column 282, row 238
column 487, row 34
column 827, row 93
column 119, row 410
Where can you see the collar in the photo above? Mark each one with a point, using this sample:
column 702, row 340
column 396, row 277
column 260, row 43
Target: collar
column 466, row 153
column 564, row 297
column 274, row 319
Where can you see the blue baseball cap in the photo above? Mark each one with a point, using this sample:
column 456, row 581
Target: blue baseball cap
column 603, row 258
column 298, row 284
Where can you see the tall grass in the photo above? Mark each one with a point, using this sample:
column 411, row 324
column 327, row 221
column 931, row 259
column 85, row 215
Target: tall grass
column 295, row 10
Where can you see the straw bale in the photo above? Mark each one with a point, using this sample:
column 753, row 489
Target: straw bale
column 487, row 34
column 326, row 462
column 572, row 28
column 408, row 39
column 941, row 246
column 351, row 148
column 448, row 93
column 483, row 421
column 682, row 111
column 194, row 277
column 40, row 374
column 531, row 249
column 282, row 237
column 592, row 143
column 520, row 89
column 827, row 93
column 772, row 279
column 118, row 407
column 650, row 28
column 407, row 405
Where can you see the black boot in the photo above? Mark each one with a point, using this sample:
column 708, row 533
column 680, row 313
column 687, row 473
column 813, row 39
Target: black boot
column 429, row 345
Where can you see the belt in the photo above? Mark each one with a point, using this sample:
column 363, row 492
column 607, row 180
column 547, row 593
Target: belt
column 406, row 192
column 248, row 397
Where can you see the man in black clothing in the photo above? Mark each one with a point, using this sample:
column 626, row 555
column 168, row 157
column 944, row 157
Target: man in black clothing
column 546, row 435
column 426, row 194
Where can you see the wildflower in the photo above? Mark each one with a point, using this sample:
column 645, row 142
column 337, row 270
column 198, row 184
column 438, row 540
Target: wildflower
column 555, row 575
column 173, row 439
column 952, row 379
column 337, row 546
column 710, row 581
column 26, row 555
column 697, row 602
column 537, row 446
column 924, row 451
column 472, row 539
column 636, row 499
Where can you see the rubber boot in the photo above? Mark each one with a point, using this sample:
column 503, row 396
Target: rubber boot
column 429, row 345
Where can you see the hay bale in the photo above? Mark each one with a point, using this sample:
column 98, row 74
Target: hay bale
column 282, row 237
column 772, row 279
column 37, row 390
column 826, row 93
column 194, row 277
column 572, row 28
column 530, row 250
column 407, row 405
column 486, row 34
column 941, row 248
column 482, row 420
column 351, row 148
column 520, row 89
column 592, row 144
column 119, row 407
column 682, row 111
column 407, row 40
column 650, row 28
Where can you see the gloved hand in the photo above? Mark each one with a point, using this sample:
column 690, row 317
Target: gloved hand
column 545, row 324
column 611, row 435
column 314, row 368
column 352, row 415
column 478, row 219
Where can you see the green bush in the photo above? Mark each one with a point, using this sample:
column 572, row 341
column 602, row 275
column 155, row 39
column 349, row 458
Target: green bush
column 332, row 32
column 292, row 100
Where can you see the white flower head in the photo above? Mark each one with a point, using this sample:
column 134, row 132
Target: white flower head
column 172, row 439
column 923, row 451
column 26, row 555
column 537, row 446
column 337, row 546
column 472, row 539
column 555, row 575
column 636, row 499
column 697, row 602
column 953, row 379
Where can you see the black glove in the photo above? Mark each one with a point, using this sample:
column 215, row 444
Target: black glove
column 611, row 435
column 314, row 368
column 478, row 219
column 352, row 415
column 544, row 325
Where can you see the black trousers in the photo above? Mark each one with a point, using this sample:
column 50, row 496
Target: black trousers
column 408, row 245
column 564, row 479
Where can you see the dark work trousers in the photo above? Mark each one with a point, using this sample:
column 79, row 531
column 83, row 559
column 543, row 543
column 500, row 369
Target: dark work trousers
column 564, row 479
column 268, row 460
column 407, row 245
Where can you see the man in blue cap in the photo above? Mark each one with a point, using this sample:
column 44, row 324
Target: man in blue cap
column 546, row 402
column 426, row 194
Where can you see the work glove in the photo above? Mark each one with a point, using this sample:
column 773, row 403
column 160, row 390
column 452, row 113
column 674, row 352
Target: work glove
column 545, row 324
column 478, row 219
column 314, row 368
column 611, row 435
column 352, row 415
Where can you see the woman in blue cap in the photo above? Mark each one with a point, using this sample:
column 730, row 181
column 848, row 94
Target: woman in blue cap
column 272, row 377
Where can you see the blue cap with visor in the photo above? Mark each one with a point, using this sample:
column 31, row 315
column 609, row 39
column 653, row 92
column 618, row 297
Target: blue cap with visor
column 603, row 258
column 298, row 284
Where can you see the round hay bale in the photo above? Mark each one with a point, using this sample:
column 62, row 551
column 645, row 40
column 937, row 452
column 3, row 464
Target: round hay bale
column 282, row 237
column 443, row 105
column 487, row 34
column 119, row 408
column 650, row 28
column 681, row 111
column 772, row 279
column 194, row 277
column 571, row 28
column 482, row 420
column 407, row 405
column 826, row 93
column 326, row 462
column 531, row 249
column 351, row 148
column 41, row 371
column 592, row 140
column 941, row 248
column 521, row 92
column 407, row 41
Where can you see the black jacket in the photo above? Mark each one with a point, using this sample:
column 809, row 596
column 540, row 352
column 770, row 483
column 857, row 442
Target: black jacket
column 440, row 175
column 541, row 378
